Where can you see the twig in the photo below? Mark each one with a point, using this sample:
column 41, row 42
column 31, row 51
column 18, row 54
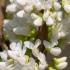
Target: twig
column 2, row 13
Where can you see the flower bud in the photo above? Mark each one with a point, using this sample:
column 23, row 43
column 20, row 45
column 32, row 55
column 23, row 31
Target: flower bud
column 55, row 51
column 63, row 59
column 62, row 65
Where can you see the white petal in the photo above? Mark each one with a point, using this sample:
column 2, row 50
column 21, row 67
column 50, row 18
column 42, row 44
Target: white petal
column 11, row 8
column 21, row 60
column 34, row 16
column 28, row 9
column 35, row 52
column 57, row 5
column 38, row 6
column 67, row 8
column 20, row 14
column 37, row 43
column 42, row 66
column 46, row 44
column 55, row 51
column 61, row 34
column 50, row 21
column 62, row 65
column 24, row 50
column 63, row 59
column 19, row 46
column 28, row 44
column 42, row 58
column 13, row 54
column 38, row 22
column 59, row 15
column 45, row 15
column 4, row 55
column 13, row 46
column 2, row 64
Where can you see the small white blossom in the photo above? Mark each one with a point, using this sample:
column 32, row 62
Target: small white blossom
column 67, row 8
column 28, row 9
column 4, row 55
column 38, row 22
column 55, row 51
column 57, row 5
column 34, row 16
column 33, row 47
column 50, row 21
column 45, row 15
column 62, row 59
column 11, row 8
column 62, row 65
column 20, row 14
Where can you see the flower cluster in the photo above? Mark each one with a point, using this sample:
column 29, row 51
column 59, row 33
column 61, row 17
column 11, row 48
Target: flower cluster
column 25, row 18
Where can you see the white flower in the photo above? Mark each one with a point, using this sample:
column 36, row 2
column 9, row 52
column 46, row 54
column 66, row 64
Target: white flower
column 59, row 15
column 62, row 59
column 33, row 47
column 62, row 65
column 57, row 5
column 46, row 44
column 55, row 51
column 30, row 65
column 38, row 5
column 34, row 16
column 61, row 34
column 38, row 22
column 11, row 8
column 50, row 21
column 42, row 58
column 67, row 8
column 28, row 8
column 4, row 55
column 49, row 45
column 45, row 15
column 17, row 52
column 43, row 64
column 20, row 14
column 16, row 46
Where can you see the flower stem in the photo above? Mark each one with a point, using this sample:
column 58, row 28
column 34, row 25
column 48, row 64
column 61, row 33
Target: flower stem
column 43, row 35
